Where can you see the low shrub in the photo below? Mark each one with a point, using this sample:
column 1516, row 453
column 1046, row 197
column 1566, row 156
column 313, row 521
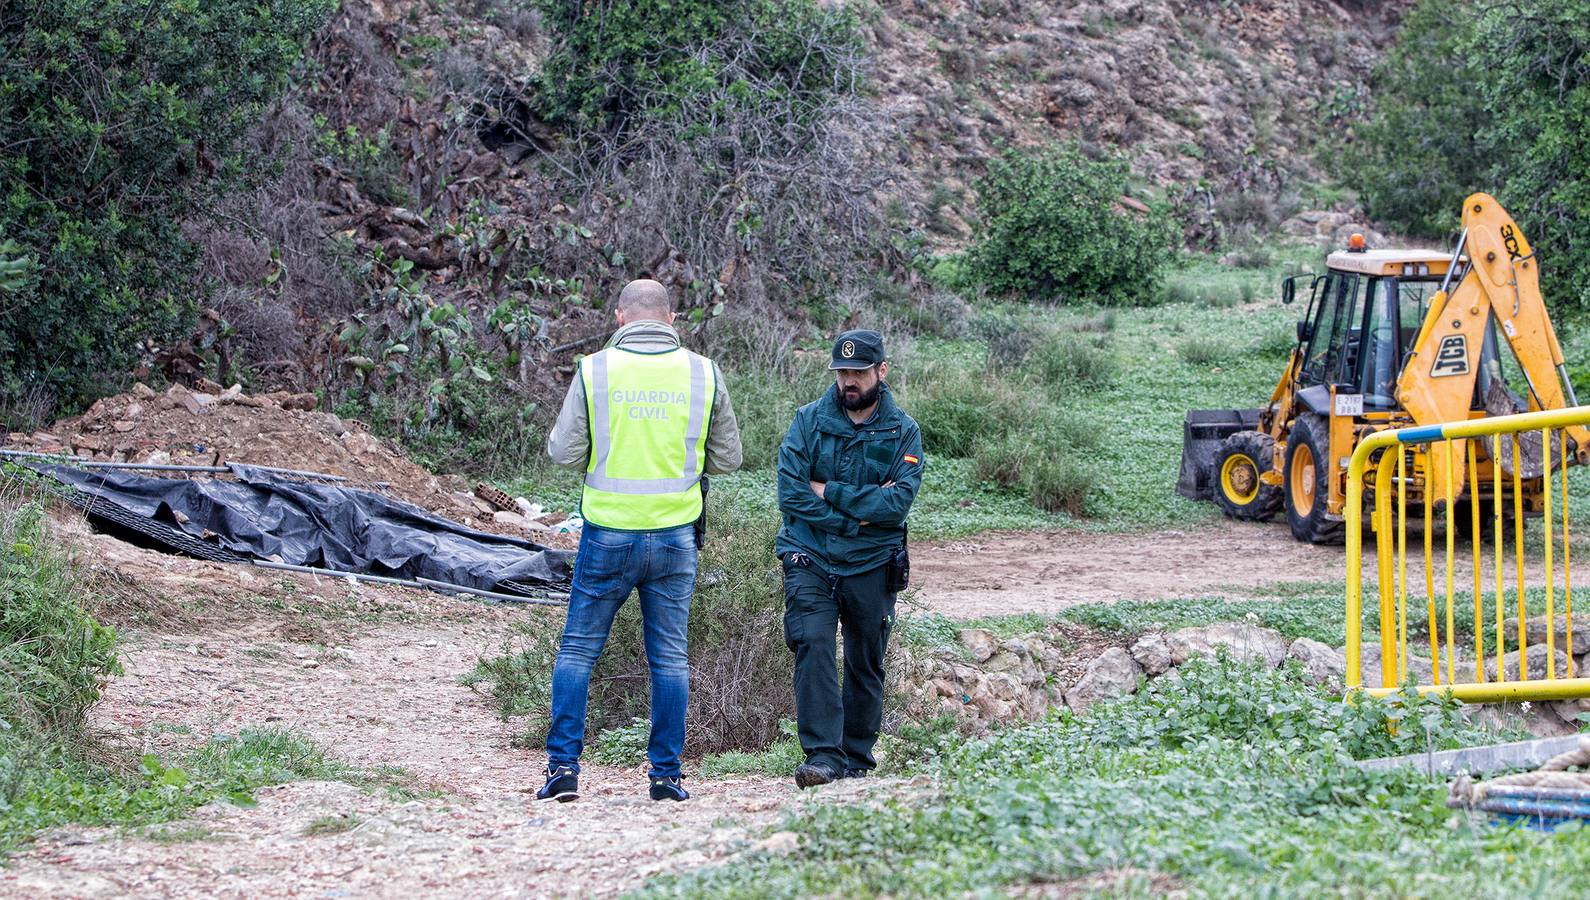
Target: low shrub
column 1061, row 360
column 1061, row 483
column 1103, row 323
column 958, row 409
column 1045, row 459
column 1054, row 228
column 765, row 401
column 53, row 655
column 1201, row 350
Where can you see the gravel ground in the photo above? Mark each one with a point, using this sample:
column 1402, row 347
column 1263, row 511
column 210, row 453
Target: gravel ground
column 383, row 694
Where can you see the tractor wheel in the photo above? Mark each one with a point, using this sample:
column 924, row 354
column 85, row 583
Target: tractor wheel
column 1306, row 471
column 1243, row 457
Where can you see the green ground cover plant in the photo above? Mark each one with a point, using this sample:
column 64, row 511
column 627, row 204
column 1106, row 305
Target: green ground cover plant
column 1229, row 780
column 53, row 659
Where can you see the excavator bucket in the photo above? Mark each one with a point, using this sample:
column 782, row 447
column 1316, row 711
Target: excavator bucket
column 1202, row 434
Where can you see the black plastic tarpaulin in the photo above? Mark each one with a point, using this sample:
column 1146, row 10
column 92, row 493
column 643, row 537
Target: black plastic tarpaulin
column 261, row 515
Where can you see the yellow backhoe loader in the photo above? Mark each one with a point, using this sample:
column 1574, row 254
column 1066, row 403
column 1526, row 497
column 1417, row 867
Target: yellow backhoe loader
column 1391, row 338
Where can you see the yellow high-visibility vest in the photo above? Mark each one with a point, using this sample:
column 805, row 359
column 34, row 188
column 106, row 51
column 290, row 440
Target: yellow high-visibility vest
column 648, row 414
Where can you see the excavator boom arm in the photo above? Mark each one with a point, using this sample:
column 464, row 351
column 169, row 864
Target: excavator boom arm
column 1503, row 280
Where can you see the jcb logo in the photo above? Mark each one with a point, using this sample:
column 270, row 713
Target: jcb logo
column 1510, row 240
column 1452, row 358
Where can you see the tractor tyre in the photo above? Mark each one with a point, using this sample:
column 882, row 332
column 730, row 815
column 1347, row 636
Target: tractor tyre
column 1243, row 457
column 1305, row 476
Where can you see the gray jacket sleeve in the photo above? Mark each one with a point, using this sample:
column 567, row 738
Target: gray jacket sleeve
column 723, row 432
column 569, row 442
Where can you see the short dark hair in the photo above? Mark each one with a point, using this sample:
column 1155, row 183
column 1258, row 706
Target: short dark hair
column 645, row 296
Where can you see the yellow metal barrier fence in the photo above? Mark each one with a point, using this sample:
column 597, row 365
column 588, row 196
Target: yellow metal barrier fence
column 1411, row 457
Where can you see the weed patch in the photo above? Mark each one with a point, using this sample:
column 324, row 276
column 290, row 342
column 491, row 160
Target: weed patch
column 1200, row 350
column 1231, row 779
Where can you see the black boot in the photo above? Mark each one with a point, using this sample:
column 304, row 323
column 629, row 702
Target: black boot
column 812, row 774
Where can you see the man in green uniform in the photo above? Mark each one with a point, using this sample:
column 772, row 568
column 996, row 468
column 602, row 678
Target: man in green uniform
column 847, row 472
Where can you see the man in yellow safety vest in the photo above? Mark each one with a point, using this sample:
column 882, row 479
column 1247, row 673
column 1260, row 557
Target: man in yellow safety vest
column 646, row 419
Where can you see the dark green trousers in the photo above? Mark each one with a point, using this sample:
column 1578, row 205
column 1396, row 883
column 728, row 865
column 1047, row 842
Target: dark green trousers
column 838, row 726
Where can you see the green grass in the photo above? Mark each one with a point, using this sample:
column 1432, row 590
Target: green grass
column 931, row 631
column 335, row 824
column 1228, row 781
column 81, row 789
column 1091, row 399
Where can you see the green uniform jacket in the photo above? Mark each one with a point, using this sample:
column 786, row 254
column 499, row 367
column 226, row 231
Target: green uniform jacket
column 855, row 462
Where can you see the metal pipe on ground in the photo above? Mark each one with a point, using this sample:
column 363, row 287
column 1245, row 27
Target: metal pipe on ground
column 1477, row 760
column 423, row 583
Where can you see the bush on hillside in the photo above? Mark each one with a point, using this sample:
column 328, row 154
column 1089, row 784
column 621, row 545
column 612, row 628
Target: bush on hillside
column 117, row 118
column 1486, row 97
column 1420, row 154
column 1053, row 228
column 617, row 65
column 734, row 134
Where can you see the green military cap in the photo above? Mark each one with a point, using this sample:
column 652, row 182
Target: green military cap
column 857, row 349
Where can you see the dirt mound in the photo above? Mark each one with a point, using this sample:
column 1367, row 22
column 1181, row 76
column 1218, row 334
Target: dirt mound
column 211, row 427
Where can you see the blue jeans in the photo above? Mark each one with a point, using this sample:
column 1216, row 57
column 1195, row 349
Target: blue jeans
column 661, row 565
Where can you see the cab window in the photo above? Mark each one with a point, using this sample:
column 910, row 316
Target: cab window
column 1332, row 323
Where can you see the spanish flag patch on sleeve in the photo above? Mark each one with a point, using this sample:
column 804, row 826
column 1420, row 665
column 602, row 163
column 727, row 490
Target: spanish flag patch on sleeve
column 912, row 459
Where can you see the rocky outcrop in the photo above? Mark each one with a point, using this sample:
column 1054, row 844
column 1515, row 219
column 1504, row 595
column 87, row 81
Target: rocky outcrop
column 1114, row 674
column 1152, row 652
column 988, row 680
column 1244, row 642
column 1324, row 665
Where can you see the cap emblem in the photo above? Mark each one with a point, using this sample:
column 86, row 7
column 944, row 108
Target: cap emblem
column 847, row 349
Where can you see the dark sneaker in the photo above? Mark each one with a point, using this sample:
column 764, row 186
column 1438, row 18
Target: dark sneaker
column 668, row 789
column 562, row 785
column 812, row 774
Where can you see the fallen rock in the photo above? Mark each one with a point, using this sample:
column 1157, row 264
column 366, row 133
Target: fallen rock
column 1535, row 718
column 1152, row 652
column 1112, row 674
column 1570, row 710
column 1244, row 641
column 513, row 520
column 1323, row 664
column 1536, row 657
column 979, row 642
column 1535, row 631
column 1050, row 659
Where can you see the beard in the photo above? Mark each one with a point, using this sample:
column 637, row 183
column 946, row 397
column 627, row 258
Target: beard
column 853, row 399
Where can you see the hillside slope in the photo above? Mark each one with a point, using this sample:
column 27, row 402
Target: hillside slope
column 411, row 164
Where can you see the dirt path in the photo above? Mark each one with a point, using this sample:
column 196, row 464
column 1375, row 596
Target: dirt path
column 1004, row 574
column 387, row 695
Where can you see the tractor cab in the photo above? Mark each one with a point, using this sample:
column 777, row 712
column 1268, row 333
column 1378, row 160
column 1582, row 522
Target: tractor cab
column 1360, row 325
column 1362, row 318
